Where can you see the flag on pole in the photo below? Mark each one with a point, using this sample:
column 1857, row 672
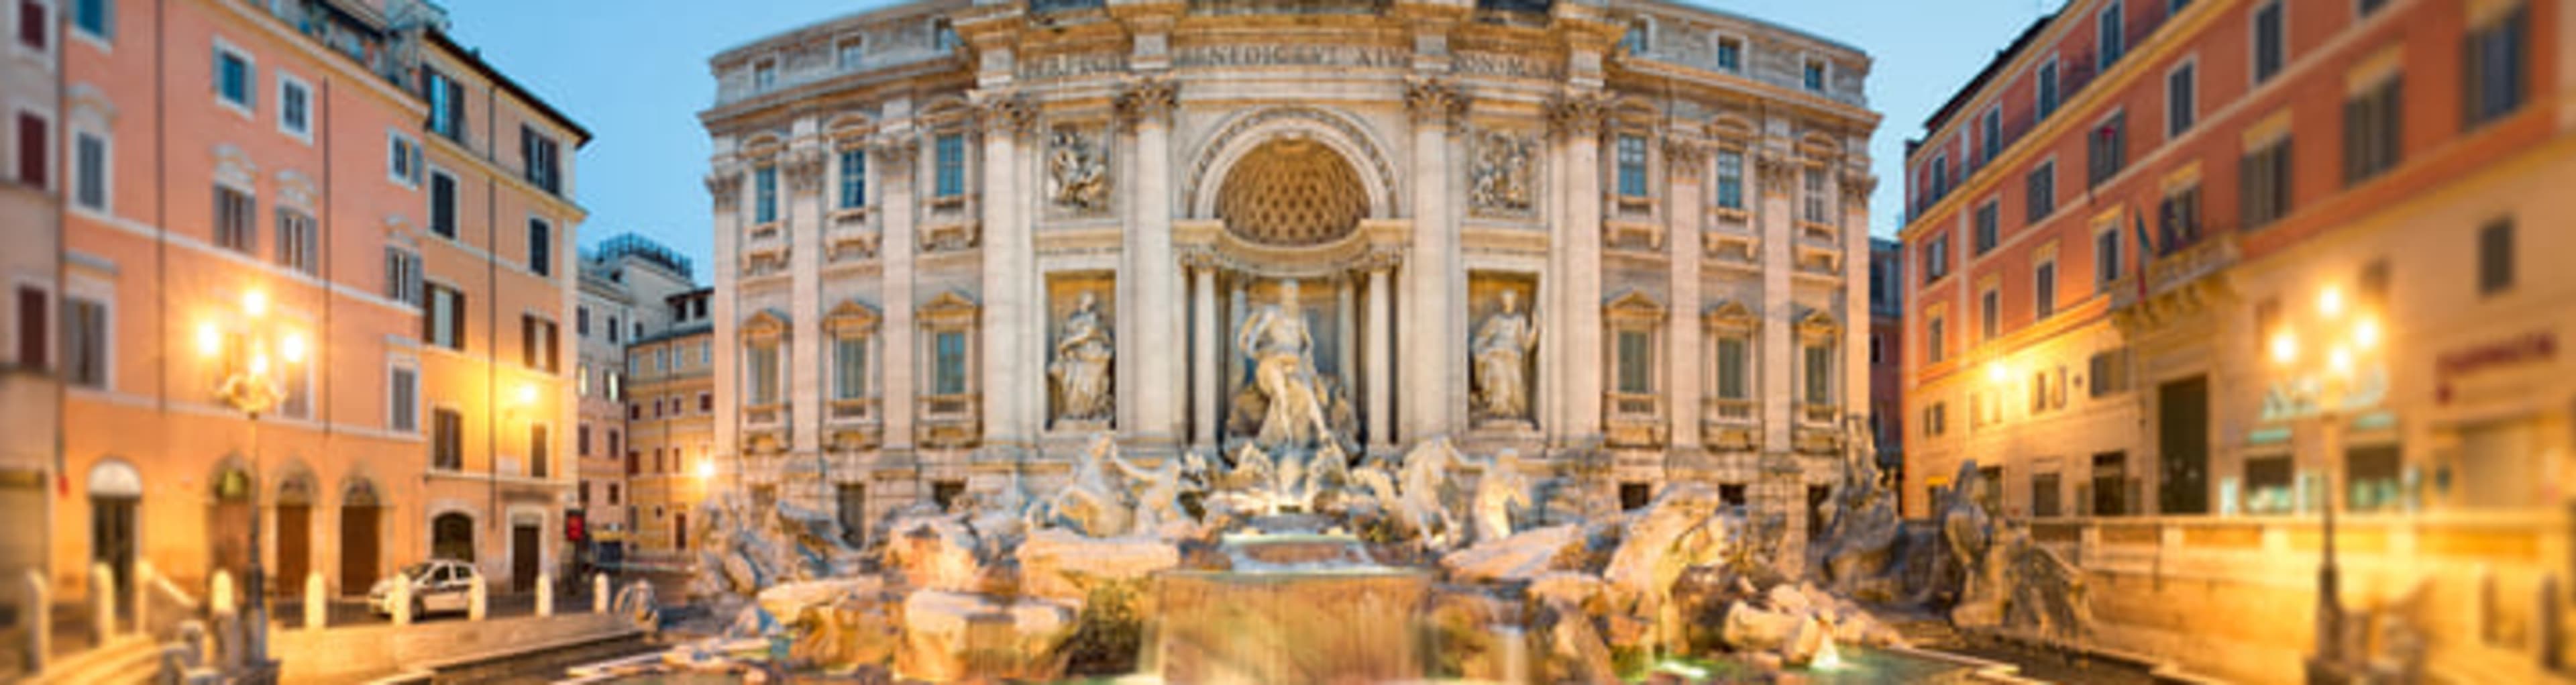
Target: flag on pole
column 2139, row 221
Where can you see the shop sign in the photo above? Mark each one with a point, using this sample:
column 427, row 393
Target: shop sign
column 2529, row 348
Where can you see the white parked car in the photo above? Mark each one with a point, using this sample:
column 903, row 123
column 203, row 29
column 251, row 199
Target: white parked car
column 437, row 585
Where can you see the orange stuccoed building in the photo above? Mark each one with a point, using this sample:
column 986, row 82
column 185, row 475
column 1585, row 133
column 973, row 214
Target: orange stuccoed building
column 394, row 200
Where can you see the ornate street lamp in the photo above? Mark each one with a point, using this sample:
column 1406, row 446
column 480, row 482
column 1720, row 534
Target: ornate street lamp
column 255, row 356
column 2348, row 340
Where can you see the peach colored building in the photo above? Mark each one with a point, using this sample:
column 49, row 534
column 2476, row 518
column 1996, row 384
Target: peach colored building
column 402, row 206
column 2187, row 275
column 31, row 366
column 670, row 427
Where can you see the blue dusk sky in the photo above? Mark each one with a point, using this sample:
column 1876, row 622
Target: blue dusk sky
column 635, row 73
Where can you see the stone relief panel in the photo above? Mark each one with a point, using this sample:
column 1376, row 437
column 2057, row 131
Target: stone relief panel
column 1504, row 174
column 1077, row 167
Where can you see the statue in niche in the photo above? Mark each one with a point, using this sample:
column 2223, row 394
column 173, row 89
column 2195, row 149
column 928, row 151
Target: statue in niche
column 1275, row 338
column 1501, row 350
column 1081, row 366
column 1079, row 172
column 1502, row 173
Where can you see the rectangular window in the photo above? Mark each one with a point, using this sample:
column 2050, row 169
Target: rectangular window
column 541, row 247
column 949, row 152
column 402, row 276
column 1636, row 372
column 442, row 204
column 1936, row 340
column 540, row 160
column 85, row 342
column 1730, row 179
column 294, row 107
column 948, row 374
column 2364, row 8
column 2040, row 192
column 2495, row 257
column 2106, row 257
column 1936, row 258
column 402, row 159
column 1815, row 76
column 95, row 17
column 89, row 171
column 1940, row 174
column 402, row 401
column 943, row 38
column 2178, row 218
column 1990, row 133
column 2109, row 372
column 447, row 440
column 2270, row 42
column 34, row 327
column 581, row 447
column 1634, row 41
column 236, row 221
column 2110, row 37
column 540, row 450
column 761, row 367
column 2044, row 493
column 2044, row 289
column 2263, row 184
column 2182, row 103
column 1733, row 381
column 1819, row 196
column 764, row 75
column 2370, row 131
column 764, row 195
column 446, row 99
column 2494, row 68
column 854, row 178
column 1820, row 374
column 537, row 343
column 849, row 53
column 1730, row 54
column 1935, row 419
column 1988, row 232
column 2107, row 150
column 234, row 77
column 1632, row 165
column 849, row 368
column 445, row 321
column 2047, row 84
column 1990, row 315
column 298, row 246
column 35, row 140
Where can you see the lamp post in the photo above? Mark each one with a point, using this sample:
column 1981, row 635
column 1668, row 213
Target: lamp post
column 254, row 357
column 2346, row 338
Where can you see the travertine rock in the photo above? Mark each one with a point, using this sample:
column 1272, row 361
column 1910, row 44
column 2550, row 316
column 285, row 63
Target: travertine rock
column 1521, row 557
column 1060, row 564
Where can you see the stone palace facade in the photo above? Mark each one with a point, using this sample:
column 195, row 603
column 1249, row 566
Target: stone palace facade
column 957, row 240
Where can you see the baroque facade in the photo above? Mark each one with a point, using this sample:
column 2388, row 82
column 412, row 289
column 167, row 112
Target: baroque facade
column 954, row 241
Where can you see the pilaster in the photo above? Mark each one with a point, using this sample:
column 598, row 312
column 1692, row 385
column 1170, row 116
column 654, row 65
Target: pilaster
column 1435, row 379
column 803, row 171
column 1148, row 265
column 1008, row 382
column 724, row 190
column 1684, row 164
column 890, row 165
column 1576, row 120
column 1775, row 175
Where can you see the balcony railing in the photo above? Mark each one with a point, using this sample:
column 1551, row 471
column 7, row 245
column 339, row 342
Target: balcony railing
column 1731, row 411
column 2179, row 267
column 855, row 410
column 1636, row 418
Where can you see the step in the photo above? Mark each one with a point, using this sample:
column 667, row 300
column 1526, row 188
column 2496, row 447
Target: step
column 130, row 659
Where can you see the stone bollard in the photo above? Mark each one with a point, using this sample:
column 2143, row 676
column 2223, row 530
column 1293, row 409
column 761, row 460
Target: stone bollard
column 474, row 599
column 400, row 600
column 317, row 602
column 545, row 594
column 40, row 617
column 220, row 595
column 144, row 576
column 102, row 599
column 599, row 593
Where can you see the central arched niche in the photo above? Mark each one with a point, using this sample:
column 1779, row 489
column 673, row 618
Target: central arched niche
column 1292, row 192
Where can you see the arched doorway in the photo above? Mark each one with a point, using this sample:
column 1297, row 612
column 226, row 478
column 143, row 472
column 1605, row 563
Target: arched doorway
column 115, row 495
column 228, row 520
column 294, row 543
column 451, row 536
column 360, row 508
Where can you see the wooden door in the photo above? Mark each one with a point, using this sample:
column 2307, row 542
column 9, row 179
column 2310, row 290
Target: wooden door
column 523, row 558
column 294, row 550
column 358, row 538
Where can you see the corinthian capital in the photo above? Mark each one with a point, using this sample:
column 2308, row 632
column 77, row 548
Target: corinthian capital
column 1434, row 101
column 1148, row 98
column 725, row 186
column 1578, row 114
column 1685, row 156
column 804, row 170
column 1009, row 114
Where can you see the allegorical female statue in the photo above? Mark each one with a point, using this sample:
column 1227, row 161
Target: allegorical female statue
column 1276, row 340
column 1501, row 348
column 1081, row 366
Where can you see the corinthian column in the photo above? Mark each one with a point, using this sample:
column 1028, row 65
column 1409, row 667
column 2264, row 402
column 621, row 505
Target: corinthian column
column 1576, row 324
column 1684, row 162
column 1435, row 380
column 1147, row 265
column 1381, row 432
column 803, row 168
column 1203, row 371
column 890, row 162
column 1009, row 317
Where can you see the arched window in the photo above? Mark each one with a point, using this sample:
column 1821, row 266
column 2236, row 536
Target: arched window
column 451, row 536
